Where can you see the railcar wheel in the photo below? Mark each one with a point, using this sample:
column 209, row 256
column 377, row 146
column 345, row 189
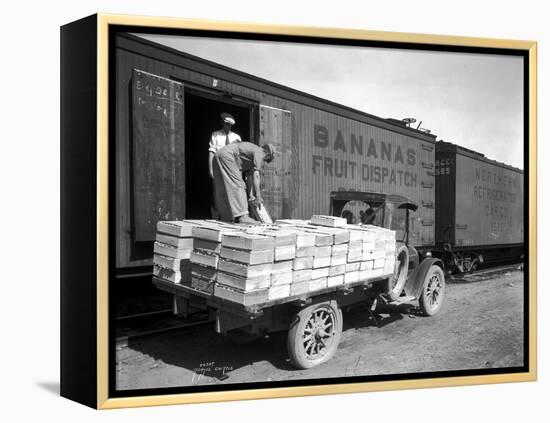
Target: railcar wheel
column 399, row 278
column 314, row 335
column 433, row 292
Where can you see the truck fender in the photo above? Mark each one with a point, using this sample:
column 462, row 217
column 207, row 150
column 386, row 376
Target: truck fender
column 415, row 281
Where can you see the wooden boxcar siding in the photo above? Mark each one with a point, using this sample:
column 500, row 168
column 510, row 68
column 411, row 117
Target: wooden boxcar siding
column 489, row 203
column 313, row 189
column 445, row 197
column 128, row 253
column 337, row 166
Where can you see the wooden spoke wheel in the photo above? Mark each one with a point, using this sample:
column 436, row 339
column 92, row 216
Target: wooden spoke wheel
column 433, row 291
column 315, row 334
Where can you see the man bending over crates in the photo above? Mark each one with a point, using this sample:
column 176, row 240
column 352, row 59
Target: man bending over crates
column 230, row 189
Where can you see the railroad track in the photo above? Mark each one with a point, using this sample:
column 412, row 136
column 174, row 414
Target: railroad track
column 480, row 273
column 129, row 328
column 130, row 317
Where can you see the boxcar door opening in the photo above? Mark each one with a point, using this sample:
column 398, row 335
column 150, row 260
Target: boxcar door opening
column 202, row 117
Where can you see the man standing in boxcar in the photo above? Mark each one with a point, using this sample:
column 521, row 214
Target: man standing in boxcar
column 229, row 165
column 219, row 139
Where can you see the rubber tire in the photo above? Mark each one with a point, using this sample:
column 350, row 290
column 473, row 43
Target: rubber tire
column 425, row 308
column 294, row 345
column 397, row 283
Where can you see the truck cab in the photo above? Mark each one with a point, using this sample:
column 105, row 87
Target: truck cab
column 417, row 275
column 390, row 211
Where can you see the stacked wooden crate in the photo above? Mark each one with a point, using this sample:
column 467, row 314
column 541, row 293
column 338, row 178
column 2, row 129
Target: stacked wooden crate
column 329, row 252
column 283, row 255
column 253, row 265
column 357, row 253
column 205, row 257
column 172, row 250
column 378, row 252
column 246, row 261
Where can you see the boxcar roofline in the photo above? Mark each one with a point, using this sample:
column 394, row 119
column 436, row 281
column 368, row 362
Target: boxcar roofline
column 178, row 58
column 448, row 147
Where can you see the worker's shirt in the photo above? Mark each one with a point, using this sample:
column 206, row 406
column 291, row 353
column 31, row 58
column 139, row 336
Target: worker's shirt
column 249, row 156
column 220, row 139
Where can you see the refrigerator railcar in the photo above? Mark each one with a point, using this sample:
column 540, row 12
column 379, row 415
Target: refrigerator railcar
column 168, row 102
column 479, row 208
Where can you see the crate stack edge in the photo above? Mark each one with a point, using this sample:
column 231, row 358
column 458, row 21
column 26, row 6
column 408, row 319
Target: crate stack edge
column 251, row 265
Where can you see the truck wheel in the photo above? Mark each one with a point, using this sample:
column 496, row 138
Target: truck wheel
column 314, row 334
column 399, row 278
column 433, row 291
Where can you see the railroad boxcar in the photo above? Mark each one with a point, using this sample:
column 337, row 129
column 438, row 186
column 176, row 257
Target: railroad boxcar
column 168, row 102
column 479, row 208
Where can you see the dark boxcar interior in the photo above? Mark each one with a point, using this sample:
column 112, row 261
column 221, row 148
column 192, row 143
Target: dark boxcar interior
column 202, row 116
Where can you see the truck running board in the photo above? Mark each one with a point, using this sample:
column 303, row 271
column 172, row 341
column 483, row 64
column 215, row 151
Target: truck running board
column 403, row 300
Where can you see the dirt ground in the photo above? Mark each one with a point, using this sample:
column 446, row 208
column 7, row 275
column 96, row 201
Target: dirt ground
column 480, row 326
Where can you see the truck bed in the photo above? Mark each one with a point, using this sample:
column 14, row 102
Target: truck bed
column 256, row 309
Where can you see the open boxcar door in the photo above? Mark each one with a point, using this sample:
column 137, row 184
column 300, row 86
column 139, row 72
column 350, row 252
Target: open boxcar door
column 279, row 176
column 158, row 166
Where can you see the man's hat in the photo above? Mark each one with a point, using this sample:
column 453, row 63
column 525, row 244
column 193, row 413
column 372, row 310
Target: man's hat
column 270, row 148
column 227, row 118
